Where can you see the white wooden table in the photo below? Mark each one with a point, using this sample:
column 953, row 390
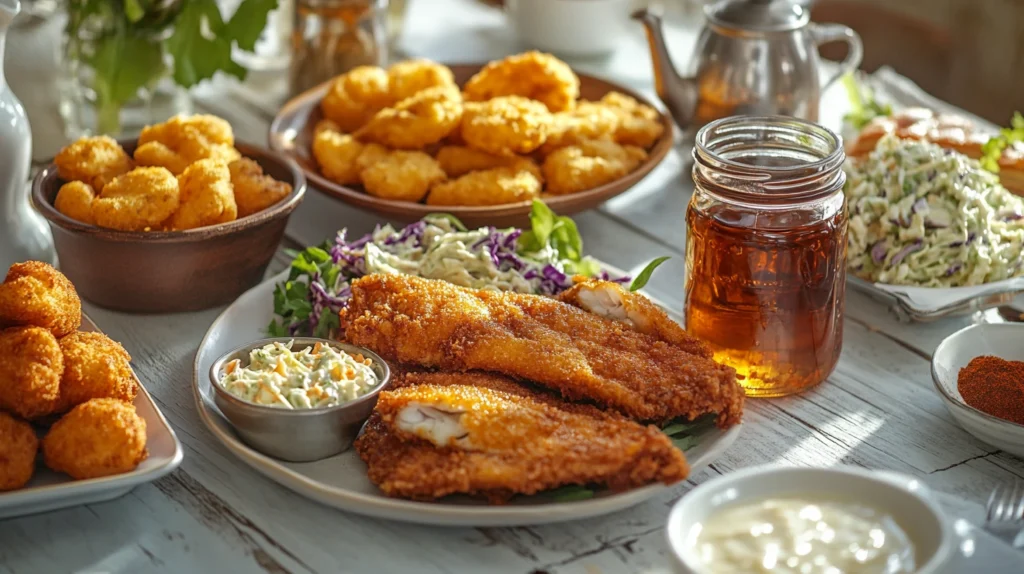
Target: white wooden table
column 215, row 514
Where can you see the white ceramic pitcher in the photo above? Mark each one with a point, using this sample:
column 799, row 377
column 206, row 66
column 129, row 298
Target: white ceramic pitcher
column 23, row 232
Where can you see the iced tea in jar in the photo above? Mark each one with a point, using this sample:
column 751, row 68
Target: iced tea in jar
column 766, row 250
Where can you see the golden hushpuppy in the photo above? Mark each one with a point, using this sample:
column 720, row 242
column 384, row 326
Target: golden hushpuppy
column 101, row 437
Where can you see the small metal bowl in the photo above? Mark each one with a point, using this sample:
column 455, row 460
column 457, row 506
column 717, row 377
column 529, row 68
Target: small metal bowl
column 299, row 435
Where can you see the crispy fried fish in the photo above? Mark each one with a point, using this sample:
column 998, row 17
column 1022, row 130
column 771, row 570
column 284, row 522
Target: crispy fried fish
column 484, row 435
column 584, row 356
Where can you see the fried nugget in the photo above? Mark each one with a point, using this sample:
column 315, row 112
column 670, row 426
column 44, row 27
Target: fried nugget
column 417, row 121
column 74, row 199
column 207, row 196
column 101, row 437
column 638, row 123
column 183, row 140
column 533, row 75
column 457, row 161
column 413, row 76
column 31, row 365
column 140, row 200
column 488, row 187
column 587, row 121
column 254, row 190
column 18, row 447
column 402, row 175
column 94, row 161
column 95, row 367
column 354, row 97
column 506, row 125
column 589, row 164
column 35, row 294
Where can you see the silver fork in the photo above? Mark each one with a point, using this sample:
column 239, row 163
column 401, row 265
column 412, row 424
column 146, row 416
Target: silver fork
column 1005, row 513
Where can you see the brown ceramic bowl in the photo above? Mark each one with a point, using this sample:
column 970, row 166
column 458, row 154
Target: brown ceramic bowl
column 291, row 133
column 170, row 271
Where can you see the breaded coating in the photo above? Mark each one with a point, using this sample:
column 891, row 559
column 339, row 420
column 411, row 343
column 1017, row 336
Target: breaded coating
column 488, row 187
column 183, row 140
column 533, row 75
column 140, row 200
column 589, row 164
column 74, row 199
column 613, row 301
column 586, row 357
column 587, row 121
column 101, row 437
column 506, row 126
column 420, row 120
column 457, row 161
column 402, row 175
column 638, row 123
column 95, row 367
column 336, row 154
column 95, row 161
column 410, row 77
column 35, row 294
column 207, row 197
column 254, row 190
column 18, row 447
column 31, row 365
column 354, row 97
column 427, row 441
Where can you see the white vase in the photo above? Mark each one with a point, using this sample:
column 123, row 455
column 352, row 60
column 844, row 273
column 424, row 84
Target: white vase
column 23, row 232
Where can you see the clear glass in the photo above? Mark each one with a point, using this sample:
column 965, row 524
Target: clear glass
column 273, row 49
column 330, row 37
column 766, row 250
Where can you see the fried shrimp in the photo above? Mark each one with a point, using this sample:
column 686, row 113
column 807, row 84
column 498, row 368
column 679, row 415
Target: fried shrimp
column 402, row 175
column 95, row 367
column 94, row 161
column 31, row 365
column 254, row 190
column 457, row 161
column 587, row 121
column 638, row 123
column 506, row 125
column 207, row 197
column 18, row 447
column 37, row 295
column 74, row 199
column 140, row 200
column 183, row 140
column 488, row 187
column 533, row 75
column 336, row 154
column 101, row 437
column 354, row 97
column 417, row 121
column 413, row 76
column 589, row 164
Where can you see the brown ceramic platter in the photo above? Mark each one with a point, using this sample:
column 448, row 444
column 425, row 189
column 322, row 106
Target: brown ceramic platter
column 291, row 134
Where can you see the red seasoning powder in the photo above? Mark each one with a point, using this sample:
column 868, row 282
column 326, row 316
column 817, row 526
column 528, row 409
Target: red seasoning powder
column 994, row 386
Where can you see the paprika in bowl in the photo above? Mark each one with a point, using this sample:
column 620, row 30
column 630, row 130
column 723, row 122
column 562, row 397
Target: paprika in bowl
column 983, row 394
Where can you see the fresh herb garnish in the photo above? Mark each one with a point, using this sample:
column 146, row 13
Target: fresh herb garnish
column 645, row 275
column 684, row 433
column 864, row 107
column 570, row 493
column 993, row 149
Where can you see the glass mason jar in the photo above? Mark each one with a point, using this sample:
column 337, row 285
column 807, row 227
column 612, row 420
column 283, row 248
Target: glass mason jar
column 330, row 37
column 766, row 250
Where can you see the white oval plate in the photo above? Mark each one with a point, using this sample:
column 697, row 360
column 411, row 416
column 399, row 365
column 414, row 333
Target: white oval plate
column 341, row 481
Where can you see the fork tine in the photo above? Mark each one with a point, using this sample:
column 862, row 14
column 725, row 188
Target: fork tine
column 1018, row 510
column 995, row 504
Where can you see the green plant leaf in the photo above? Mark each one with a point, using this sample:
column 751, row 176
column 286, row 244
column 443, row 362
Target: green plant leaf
column 248, row 21
column 455, row 221
column 570, row 493
column 993, row 149
column 277, row 329
column 542, row 222
column 201, row 45
column 685, row 443
column 645, row 275
column 119, row 77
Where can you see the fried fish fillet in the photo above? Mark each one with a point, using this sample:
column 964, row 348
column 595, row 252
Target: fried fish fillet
column 463, row 435
column 582, row 355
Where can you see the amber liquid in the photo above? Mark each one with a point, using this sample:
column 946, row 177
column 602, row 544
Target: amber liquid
column 766, row 290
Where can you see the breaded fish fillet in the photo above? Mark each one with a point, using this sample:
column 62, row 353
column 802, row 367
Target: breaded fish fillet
column 431, row 440
column 580, row 354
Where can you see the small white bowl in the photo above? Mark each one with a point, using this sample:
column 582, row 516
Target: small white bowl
column 903, row 497
column 1004, row 340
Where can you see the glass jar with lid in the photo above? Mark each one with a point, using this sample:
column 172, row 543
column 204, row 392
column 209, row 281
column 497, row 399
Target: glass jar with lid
column 766, row 250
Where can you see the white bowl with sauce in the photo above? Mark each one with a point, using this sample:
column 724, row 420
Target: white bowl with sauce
column 849, row 504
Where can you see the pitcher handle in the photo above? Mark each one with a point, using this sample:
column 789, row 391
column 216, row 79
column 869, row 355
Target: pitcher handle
column 825, row 33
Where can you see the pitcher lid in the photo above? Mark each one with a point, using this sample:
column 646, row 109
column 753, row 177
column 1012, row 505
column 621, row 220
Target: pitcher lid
column 758, row 15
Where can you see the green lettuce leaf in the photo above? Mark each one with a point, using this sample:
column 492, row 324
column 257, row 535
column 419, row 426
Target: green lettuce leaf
column 645, row 275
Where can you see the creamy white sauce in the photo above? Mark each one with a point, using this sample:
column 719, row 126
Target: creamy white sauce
column 792, row 535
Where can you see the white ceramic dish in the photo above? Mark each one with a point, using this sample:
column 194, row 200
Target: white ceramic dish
column 341, row 481
column 571, row 27
column 49, row 490
column 904, row 498
column 933, row 303
column 1004, row 340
